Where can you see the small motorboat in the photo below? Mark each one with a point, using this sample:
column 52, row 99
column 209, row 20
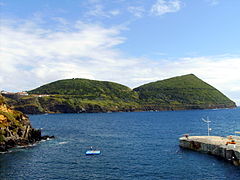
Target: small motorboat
column 93, row 152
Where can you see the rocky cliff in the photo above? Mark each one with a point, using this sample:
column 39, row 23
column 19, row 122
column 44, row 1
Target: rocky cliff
column 15, row 128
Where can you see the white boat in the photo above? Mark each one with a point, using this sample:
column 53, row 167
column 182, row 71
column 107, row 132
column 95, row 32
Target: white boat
column 93, row 152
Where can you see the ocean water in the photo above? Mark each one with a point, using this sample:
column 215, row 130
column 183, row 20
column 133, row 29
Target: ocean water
column 136, row 145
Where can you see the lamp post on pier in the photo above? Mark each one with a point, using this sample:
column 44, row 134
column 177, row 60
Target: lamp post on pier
column 207, row 121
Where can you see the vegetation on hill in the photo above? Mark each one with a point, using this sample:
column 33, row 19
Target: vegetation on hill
column 77, row 95
column 69, row 104
column 186, row 91
column 88, row 89
column 83, row 95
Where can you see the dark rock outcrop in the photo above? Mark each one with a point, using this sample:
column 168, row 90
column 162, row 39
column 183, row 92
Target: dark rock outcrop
column 15, row 129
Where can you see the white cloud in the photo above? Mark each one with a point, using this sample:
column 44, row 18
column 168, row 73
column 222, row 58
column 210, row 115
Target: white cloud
column 114, row 12
column 163, row 6
column 98, row 10
column 32, row 56
column 137, row 11
column 60, row 20
column 94, row 1
column 213, row 2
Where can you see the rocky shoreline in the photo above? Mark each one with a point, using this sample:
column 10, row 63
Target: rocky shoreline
column 99, row 109
column 16, row 129
column 35, row 137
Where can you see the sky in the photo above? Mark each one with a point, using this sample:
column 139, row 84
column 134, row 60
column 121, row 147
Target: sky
column 131, row 42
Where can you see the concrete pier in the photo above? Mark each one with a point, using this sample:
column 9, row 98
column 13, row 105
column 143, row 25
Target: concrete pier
column 214, row 145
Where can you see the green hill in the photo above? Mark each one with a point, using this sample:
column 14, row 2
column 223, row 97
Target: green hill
column 83, row 95
column 77, row 95
column 88, row 89
column 182, row 92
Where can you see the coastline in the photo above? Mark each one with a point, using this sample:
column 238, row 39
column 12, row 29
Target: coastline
column 34, row 137
column 144, row 109
column 23, row 146
column 16, row 129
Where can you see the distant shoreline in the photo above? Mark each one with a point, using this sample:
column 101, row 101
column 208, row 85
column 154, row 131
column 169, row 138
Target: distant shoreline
column 129, row 111
column 78, row 95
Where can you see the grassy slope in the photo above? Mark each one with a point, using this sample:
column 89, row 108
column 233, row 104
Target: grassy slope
column 187, row 90
column 76, row 95
column 80, row 95
column 88, row 89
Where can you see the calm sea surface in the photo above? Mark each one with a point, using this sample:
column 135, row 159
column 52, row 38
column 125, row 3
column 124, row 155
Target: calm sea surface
column 137, row 145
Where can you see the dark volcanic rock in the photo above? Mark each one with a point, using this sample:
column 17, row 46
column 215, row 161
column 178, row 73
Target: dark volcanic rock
column 29, row 109
column 15, row 129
